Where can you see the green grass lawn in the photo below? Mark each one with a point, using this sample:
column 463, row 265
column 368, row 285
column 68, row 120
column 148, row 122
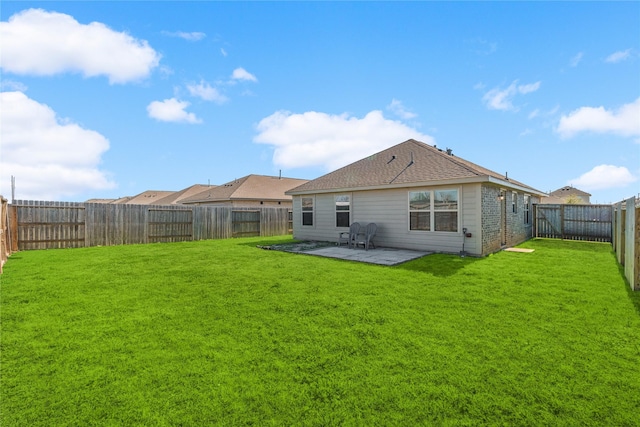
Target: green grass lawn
column 222, row 333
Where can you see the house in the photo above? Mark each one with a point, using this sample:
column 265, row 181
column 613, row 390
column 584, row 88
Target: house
column 149, row 197
column 248, row 191
column 176, row 197
column 421, row 198
column 145, row 198
column 567, row 195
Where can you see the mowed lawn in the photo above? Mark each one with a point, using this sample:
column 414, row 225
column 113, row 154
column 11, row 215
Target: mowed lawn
column 223, row 333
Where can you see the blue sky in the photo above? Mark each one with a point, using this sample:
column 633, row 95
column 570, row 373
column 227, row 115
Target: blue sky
column 109, row 99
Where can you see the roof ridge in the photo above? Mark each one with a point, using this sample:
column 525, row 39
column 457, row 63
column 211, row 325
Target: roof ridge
column 462, row 163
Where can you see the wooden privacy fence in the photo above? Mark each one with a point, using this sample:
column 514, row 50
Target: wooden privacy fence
column 626, row 240
column 574, row 222
column 48, row 225
column 7, row 242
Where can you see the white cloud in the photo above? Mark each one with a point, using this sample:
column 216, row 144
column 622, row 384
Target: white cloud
column 397, row 108
column 603, row 177
column 502, row 99
column 625, row 121
column 7, row 85
column 242, row 74
column 531, row 87
column 37, row 42
column 330, row 141
column 205, row 91
column 223, row 52
column 171, row 110
column 576, row 59
column 618, row 56
column 193, row 36
column 50, row 157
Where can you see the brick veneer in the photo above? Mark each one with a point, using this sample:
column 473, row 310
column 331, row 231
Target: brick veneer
column 516, row 230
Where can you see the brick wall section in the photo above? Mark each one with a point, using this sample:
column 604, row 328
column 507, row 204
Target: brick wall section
column 490, row 219
column 492, row 208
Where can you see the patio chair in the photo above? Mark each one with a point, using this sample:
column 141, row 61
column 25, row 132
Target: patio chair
column 366, row 238
column 349, row 237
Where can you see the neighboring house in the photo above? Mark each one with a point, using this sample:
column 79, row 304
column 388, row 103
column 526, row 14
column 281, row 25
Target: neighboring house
column 248, row 191
column 567, row 195
column 421, row 198
column 177, row 197
column 150, row 197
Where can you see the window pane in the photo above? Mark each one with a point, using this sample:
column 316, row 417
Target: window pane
column 446, row 200
column 419, row 200
column 342, row 202
column 342, row 219
column 307, row 218
column 446, row 221
column 307, row 203
column 419, row 221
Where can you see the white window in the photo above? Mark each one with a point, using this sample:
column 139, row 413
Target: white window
column 420, row 210
column 446, row 210
column 514, row 202
column 525, row 207
column 307, row 211
column 343, row 208
column 433, row 210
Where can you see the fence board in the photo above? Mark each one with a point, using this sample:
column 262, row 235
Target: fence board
column 46, row 225
column 245, row 223
column 631, row 244
column 574, row 222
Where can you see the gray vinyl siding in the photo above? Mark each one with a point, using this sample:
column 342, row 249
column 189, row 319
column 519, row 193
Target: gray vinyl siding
column 389, row 209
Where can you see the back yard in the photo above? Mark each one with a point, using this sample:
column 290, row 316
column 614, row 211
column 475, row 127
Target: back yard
column 222, row 333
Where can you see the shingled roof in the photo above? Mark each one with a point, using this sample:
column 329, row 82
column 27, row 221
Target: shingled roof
column 149, row 197
column 567, row 191
column 250, row 187
column 178, row 196
column 409, row 163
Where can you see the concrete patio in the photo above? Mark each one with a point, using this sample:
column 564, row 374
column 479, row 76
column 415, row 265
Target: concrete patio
column 380, row 256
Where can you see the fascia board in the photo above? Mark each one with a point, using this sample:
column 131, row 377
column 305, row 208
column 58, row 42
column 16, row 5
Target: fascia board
column 470, row 180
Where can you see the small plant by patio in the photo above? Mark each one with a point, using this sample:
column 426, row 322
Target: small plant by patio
column 223, row 333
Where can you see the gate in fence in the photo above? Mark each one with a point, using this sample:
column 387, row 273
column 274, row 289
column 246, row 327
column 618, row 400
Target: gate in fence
column 170, row 225
column 245, row 223
column 49, row 225
column 574, row 222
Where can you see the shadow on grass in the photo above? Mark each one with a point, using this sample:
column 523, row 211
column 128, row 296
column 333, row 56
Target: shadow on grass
column 440, row 265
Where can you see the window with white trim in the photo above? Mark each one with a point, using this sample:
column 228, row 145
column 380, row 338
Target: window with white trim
column 445, row 204
column 420, row 210
column 307, row 211
column 343, row 208
column 433, row 210
column 525, row 207
column 514, row 202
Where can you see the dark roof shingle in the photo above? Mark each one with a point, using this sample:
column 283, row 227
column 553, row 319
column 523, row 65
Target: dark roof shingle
column 409, row 162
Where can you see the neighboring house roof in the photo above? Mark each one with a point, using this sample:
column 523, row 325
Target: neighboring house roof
column 178, row 196
column 250, row 187
column 568, row 191
column 122, row 200
column 410, row 163
column 149, row 197
column 106, row 201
